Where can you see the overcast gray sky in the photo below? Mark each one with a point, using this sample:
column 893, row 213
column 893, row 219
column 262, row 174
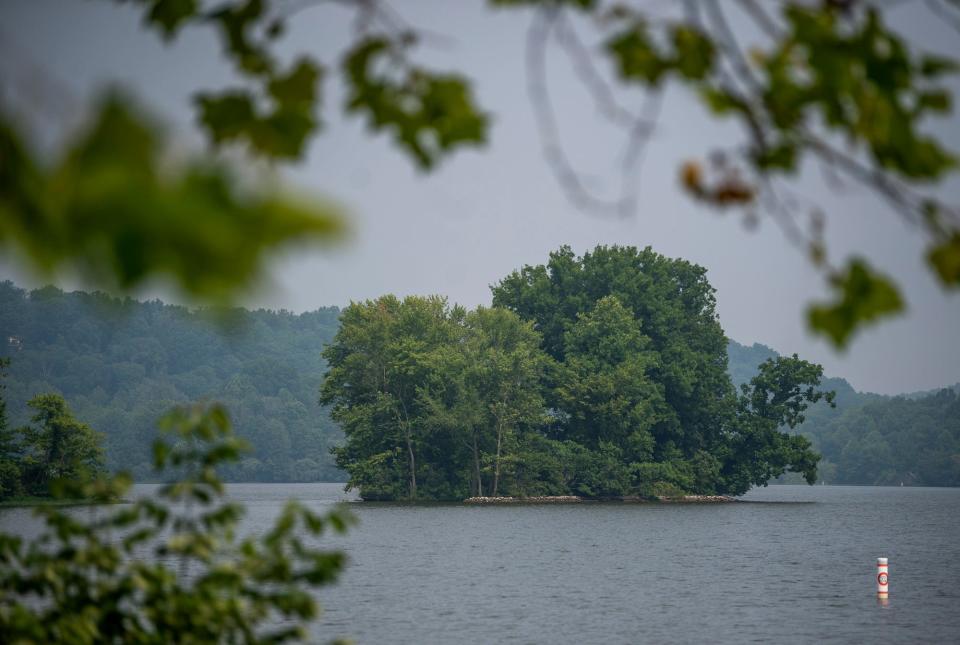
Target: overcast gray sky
column 486, row 212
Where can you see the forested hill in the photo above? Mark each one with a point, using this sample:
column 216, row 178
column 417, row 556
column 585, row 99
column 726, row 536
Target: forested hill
column 875, row 439
column 925, row 393
column 120, row 363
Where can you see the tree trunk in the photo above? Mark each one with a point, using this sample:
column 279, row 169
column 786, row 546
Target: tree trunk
column 413, row 467
column 476, row 465
column 405, row 424
column 496, row 463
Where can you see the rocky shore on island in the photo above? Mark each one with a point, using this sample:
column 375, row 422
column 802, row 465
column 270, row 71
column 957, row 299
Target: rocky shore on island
column 698, row 499
column 542, row 499
column 576, row 499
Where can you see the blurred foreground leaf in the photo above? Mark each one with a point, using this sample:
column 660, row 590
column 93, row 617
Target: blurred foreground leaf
column 945, row 259
column 429, row 114
column 168, row 15
column 281, row 132
column 111, row 210
column 637, row 57
column 863, row 296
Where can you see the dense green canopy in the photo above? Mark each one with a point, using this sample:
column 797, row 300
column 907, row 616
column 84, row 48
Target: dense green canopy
column 673, row 305
column 600, row 376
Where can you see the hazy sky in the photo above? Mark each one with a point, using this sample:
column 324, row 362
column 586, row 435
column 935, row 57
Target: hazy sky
column 486, row 212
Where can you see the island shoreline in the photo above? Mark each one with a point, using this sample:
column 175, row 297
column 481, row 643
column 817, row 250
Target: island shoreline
column 576, row 499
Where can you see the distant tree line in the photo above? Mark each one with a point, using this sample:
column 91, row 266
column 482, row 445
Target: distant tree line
column 121, row 364
column 896, row 440
column 872, row 439
column 602, row 375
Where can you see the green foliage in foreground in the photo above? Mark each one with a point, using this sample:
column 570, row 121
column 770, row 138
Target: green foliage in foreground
column 120, row 363
column 597, row 376
column 170, row 569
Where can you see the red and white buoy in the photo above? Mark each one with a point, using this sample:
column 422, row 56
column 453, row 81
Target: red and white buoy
column 883, row 579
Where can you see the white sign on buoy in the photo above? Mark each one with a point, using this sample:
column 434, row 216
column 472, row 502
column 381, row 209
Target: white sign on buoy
column 883, row 579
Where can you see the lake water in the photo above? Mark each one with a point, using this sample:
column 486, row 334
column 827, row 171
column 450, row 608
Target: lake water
column 796, row 565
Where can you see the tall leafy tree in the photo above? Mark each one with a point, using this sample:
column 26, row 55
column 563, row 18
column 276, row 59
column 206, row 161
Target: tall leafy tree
column 57, row 446
column 505, row 366
column 757, row 449
column 378, row 360
column 454, row 416
column 432, row 399
column 676, row 309
column 606, row 388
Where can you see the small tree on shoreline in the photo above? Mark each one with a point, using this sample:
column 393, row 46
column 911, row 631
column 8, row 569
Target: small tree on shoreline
column 57, row 446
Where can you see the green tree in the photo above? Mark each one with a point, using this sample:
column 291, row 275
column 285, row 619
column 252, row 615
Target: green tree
column 783, row 389
column 432, row 395
column 758, row 450
column 504, row 365
column 57, row 446
column 378, row 362
column 606, row 389
column 602, row 472
column 675, row 307
column 455, row 413
column 170, row 568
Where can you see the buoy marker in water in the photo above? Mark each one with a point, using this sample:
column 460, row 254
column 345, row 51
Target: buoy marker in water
column 883, row 580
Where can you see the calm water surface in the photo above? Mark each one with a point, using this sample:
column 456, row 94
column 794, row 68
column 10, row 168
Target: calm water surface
column 796, row 566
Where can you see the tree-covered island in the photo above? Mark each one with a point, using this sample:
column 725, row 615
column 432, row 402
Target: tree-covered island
column 599, row 376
